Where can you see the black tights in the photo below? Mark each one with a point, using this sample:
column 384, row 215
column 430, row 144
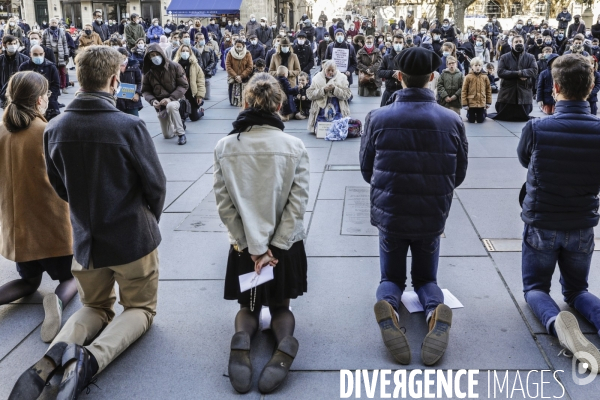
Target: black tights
column 19, row 288
column 282, row 320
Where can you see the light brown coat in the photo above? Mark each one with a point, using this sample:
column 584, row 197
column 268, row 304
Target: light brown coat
column 293, row 66
column 476, row 91
column 241, row 67
column 34, row 221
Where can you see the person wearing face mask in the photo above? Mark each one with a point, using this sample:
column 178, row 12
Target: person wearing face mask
column 352, row 32
column 196, row 93
column 226, row 45
column 492, row 32
column 215, row 30
column 285, row 56
column 98, row 26
column 545, row 86
column 195, row 30
column 35, row 229
column 329, row 87
column 134, row 31
column 13, row 29
column 121, row 147
column 322, row 48
column 309, row 30
column 388, row 71
column 130, row 74
column 529, row 27
column 448, row 32
column 164, row 84
column 170, row 27
column 10, row 60
column 368, row 61
column 577, row 47
column 596, row 29
column 25, row 27
column 55, row 38
column 517, row 71
column 38, row 63
column 410, row 21
column 252, row 25
column 480, row 51
column 239, row 68
column 340, row 44
column 139, row 52
column 155, row 32
column 563, row 18
column 577, row 27
column 256, row 49
column 264, row 34
column 303, row 49
column 561, row 41
column 537, row 47
column 323, row 18
column 35, row 39
column 320, row 32
column 237, row 27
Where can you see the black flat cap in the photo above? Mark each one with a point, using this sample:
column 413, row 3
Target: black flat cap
column 301, row 34
column 418, row 61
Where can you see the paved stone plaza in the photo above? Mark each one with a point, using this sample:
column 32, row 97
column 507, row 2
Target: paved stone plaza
column 185, row 353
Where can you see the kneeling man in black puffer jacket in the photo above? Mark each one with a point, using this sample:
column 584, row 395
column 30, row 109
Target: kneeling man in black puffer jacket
column 560, row 208
column 413, row 154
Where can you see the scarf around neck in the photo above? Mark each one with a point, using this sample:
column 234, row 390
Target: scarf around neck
column 253, row 116
column 237, row 56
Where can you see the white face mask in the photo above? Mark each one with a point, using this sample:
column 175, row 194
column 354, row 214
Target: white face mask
column 398, row 47
column 301, row 41
column 156, row 24
column 254, row 42
column 34, row 42
column 369, row 45
column 12, row 48
column 157, row 60
column 185, row 55
column 285, row 49
column 141, row 46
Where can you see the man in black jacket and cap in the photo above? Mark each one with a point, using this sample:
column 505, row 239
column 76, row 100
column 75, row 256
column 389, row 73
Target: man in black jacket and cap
column 303, row 51
column 41, row 65
column 115, row 217
column 411, row 196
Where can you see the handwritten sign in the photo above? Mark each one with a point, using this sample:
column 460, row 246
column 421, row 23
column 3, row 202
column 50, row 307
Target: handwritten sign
column 340, row 58
column 322, row 128
column 127, row 91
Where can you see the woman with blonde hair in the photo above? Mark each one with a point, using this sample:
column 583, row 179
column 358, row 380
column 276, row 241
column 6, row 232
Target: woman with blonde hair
column 239, row 68
column 35, row 229
column 329, row 91
column 195, row 76
column 265, row 220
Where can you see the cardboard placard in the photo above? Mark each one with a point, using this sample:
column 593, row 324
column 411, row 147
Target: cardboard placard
column 322, row 128
column 340, row 58
column 127, row 91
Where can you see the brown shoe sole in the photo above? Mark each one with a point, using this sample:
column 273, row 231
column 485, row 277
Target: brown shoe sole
column 393, row 338
column 435, row 343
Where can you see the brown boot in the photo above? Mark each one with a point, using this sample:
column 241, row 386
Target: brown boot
column 279, row 365
column 300, row 116
column 436, row 341
column 285, row 118
column 393, row 338
column 240, row 367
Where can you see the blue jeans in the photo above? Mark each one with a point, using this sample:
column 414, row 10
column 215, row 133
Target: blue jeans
column 573, row 250
column 392, row 259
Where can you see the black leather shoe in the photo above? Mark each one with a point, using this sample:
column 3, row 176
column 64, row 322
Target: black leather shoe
column 61, row 105
column 31, row 383
column 79, row 370
column 182, row 140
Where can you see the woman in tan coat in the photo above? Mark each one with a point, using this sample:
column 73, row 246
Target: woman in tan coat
column 239, row 68
column 285, row 56
column 195, row 76
column 35, row 230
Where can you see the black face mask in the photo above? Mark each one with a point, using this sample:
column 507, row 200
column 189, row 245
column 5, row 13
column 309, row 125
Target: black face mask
column 53, row 28
column 539, row 41
column 88, row 32
column 519, row 48
column 577, row 20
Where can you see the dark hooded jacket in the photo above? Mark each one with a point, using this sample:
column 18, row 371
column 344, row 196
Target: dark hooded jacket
column 164, row 81
column 544, row 83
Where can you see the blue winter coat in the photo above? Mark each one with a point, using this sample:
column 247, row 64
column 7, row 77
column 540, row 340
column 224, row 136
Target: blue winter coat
column 563, row 176
column 414, row 154
column 593, row 97
column 544, row 83
column 155, row 31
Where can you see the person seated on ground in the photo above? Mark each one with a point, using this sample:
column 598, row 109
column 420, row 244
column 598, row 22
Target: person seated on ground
column 448, row 49
column 329, row 94
column 593, row 97
column 542, row 63
column 130, row 74
column 476, row 94
column 285, row 56
column 388, row 69
column 491, row 74
column 139, row 52
column 264, row 218
column 196, row 91
column 545, row 87
column 288, row 107
column 517, row 71
column 560, row 208
column 449, row 86
column 259, row 67
column 368, row 61
column 164, row 83
column 577, row 46
column 302, row 102
column 239, row 68
column 35, row 230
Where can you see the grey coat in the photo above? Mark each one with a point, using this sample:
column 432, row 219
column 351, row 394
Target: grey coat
column 104, row 164
column 513, row 89
column 58, row 45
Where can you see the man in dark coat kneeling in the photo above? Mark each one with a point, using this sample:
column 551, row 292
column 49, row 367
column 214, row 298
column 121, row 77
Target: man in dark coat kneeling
column 413, row 154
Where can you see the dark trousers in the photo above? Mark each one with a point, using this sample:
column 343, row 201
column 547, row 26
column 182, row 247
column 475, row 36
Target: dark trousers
column 392, row 259
column 594, row 107
column 476, row 114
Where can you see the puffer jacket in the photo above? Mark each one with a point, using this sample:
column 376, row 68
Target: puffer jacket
column 545, row 82
column 476, row 90
column 196, row 78
column 58, row 45
column 165, row 81
column 413, row 154
column 450, row 84
column 260, row 212
column 560, row 153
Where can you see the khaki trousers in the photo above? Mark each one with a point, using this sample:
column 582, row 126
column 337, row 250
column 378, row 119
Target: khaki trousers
column 172, row 125
column 91, row 326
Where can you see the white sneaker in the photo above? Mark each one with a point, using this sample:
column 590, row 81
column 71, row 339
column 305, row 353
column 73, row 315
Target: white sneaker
column 65, row 91
column 53, row 318
column 571, row 338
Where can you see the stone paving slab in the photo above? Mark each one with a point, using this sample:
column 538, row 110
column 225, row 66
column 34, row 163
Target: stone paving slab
column 189, row 199
column 185, row 167
column 175, row 189
column 494, row 173
column 488, row 129
column 345, row 153
column 483, row 147
column 196, row 143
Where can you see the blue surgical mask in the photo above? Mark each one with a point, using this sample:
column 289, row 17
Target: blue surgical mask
column 446, row 53
column 38, row 60
column 339, row 39
column 561, row 37
column 156, row 60
column 201, row 43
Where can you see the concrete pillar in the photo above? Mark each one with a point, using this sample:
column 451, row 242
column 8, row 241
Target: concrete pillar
column 134, row 7
column 86, row 13
column 54, row 13
column 28, row 11
column 588, row 17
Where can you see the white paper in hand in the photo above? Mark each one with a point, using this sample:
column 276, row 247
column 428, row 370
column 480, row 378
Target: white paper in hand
column 413, row 305
column 252, row 279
